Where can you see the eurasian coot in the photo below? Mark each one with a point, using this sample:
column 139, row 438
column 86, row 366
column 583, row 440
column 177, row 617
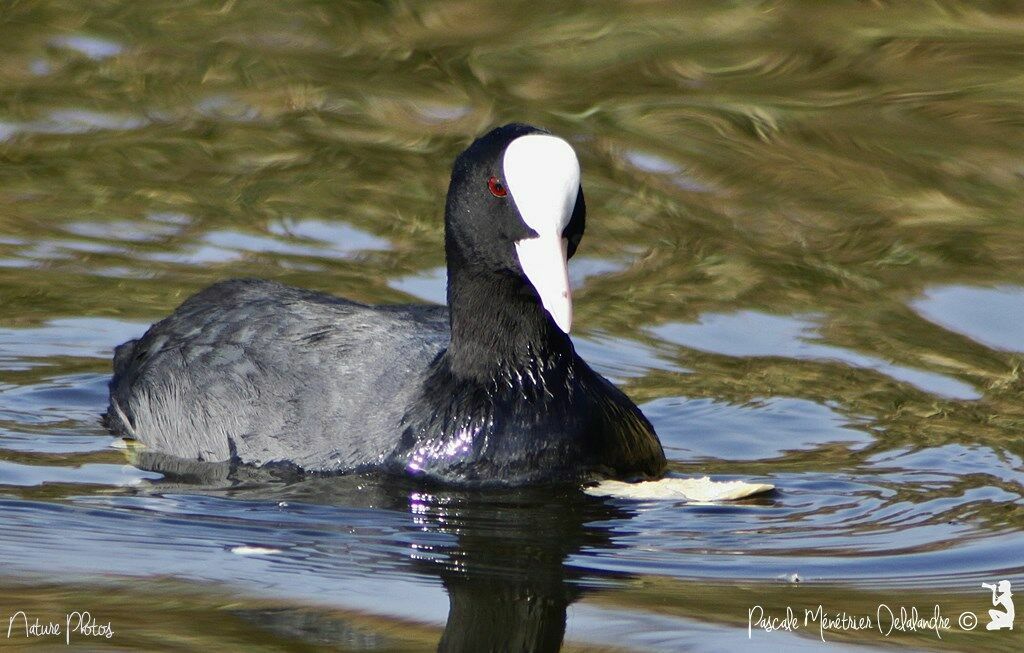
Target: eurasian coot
column 486, row 391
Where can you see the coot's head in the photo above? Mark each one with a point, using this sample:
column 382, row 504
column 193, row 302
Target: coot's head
column 515, row 207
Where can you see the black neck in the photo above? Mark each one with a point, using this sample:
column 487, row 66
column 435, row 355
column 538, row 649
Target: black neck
column 497, row 324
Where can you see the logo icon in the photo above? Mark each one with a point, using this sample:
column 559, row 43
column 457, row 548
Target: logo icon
column 1001, row 598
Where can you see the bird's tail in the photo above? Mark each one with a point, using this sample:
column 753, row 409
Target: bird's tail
column 115, row 418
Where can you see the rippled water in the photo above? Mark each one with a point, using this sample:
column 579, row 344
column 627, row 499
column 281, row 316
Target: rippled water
column 804, row 259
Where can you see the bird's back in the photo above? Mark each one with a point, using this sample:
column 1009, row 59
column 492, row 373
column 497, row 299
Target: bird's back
column 262, row 372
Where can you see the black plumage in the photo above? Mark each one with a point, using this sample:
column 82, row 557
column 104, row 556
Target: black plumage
column 488, row 391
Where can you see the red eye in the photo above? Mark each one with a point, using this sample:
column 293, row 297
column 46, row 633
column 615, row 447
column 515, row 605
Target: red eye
column 496, row 188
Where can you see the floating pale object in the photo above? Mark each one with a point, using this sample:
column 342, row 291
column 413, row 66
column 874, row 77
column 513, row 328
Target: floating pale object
column 680, row 489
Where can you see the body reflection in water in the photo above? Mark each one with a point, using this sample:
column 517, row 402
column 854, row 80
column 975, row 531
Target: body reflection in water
column 501, row 560
column 507, row 583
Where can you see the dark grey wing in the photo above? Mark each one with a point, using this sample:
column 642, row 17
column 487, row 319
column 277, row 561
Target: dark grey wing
column 265, row 372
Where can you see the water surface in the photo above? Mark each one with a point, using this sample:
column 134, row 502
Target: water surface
column 804, row 259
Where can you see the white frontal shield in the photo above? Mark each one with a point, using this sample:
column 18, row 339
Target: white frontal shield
column 543, row 178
